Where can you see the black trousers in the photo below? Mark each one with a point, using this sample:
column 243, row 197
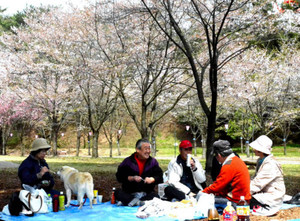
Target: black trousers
column 126, row 198
column 172, row 192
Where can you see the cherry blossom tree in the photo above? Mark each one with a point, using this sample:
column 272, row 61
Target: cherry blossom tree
column 209, row 34
column 38, row 68
column 156, row 79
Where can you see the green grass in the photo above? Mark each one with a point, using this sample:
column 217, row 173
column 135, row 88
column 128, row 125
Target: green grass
column 108, row 167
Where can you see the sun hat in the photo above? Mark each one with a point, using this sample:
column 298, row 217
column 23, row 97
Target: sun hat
column 222, row 147
column 39, row 143
column 185, row 144
column 262, row 144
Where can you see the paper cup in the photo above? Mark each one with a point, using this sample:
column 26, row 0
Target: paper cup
column 100, row 198
column 95, row 193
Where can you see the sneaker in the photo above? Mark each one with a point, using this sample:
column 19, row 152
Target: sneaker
column 261, row 211
column 119, row 203
column 294, row 200
column 133, row 202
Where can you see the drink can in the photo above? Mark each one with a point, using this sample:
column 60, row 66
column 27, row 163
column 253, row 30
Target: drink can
column 188, row 160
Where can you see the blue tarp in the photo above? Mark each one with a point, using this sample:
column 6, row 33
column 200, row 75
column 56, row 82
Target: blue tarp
column 104, row 211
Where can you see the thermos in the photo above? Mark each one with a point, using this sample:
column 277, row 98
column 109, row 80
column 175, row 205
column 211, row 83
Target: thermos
column 55, row 203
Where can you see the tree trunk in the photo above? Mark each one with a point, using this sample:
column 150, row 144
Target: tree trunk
column 3, row 149
column 247, row 148
column 194, row 144
column 54, row 143
column 119, row 151
column 95, row 144
column 110, row 148
column 209, row 143
column 78, row 142
column 89, row 144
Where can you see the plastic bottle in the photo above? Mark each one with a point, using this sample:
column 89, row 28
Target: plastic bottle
column 61, row 199
column 243, row 210
column 49, row 203
column 213, row 213
column 55, row 203
column 229, row 213
column 113, row 198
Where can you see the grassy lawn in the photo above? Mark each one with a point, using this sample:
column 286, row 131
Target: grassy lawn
column 107, row 167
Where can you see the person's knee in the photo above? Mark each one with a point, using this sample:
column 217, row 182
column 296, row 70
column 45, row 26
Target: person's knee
column 169, row 190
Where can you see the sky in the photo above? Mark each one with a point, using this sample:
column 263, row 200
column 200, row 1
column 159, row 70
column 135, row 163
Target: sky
column 18, row 5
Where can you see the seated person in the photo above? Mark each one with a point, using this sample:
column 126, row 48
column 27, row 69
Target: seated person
column 184, row 180
column 139, row 174
column 34, row 171
column 267, row 187
column 233, row 180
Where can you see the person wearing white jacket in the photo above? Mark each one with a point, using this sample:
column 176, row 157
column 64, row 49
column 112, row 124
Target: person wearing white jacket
column 185, row 178
column 267, row 187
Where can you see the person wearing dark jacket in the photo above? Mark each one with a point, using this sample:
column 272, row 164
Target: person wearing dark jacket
column 34, row 170
column 139, row 174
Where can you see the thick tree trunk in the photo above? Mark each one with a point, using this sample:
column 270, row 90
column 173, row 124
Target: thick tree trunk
column 209, row 143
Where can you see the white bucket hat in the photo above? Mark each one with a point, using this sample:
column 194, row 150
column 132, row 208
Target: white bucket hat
column 39, row 143
column 262, row 144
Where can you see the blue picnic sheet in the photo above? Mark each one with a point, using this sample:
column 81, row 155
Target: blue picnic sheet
column 104, row 211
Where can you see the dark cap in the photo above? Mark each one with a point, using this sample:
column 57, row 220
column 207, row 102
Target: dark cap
column 222, row 147
column 185, row 144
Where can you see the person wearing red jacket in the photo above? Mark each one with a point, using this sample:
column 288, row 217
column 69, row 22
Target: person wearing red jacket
column 233, row 180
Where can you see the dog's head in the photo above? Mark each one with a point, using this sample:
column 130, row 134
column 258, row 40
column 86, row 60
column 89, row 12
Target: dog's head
column 64, row 171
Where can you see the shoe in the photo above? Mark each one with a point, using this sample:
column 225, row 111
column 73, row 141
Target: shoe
column 119, row 203
column 133, row 202
column 295, row 200
column 261, row 211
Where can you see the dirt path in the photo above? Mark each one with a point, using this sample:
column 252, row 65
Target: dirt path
column 5, row 164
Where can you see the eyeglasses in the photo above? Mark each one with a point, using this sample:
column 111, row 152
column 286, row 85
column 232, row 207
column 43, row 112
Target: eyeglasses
column 188, row 149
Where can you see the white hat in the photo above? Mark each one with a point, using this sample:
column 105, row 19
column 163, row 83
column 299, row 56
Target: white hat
column 39, row 144
column 262, row 144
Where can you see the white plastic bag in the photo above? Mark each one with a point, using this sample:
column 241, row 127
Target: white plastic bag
column 204, row 202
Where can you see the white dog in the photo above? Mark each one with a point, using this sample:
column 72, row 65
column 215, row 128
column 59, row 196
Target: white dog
column 79, row 183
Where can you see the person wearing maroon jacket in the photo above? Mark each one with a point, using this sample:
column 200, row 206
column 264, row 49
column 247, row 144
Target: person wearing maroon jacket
column 233, row 180
column 139, row 174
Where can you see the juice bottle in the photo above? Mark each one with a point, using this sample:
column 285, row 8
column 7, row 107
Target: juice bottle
column 113, row 198
column 243, row 210
column 61, row 199
column 229, row 213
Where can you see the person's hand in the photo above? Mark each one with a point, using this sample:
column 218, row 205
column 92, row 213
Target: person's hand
column 191, row 194
column 149, row 180
column 135, row 179
column 43, row 171
column 193, row 166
